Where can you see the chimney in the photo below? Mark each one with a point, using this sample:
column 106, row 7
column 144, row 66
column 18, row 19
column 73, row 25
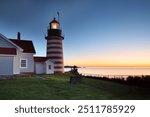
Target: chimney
column 18, row 36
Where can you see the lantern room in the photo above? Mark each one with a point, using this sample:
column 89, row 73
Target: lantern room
column 54, row 24
column 54, row 29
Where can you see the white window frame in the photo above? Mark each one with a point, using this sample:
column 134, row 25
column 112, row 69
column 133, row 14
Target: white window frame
column 26, row 62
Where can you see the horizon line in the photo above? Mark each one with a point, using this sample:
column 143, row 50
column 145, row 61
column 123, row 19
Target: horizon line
column 112, row 66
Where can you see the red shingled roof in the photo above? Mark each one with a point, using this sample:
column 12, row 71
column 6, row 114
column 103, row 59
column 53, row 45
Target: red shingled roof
column 11, row 51
column 40, row 59
column 26, row 45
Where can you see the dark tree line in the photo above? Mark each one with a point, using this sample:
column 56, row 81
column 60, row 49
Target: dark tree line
column 143, row 81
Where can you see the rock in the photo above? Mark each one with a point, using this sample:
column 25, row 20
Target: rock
column 75, row 79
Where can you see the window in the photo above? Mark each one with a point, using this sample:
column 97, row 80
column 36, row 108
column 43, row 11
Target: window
column 54, row 25
column 23, row 63
column 49, row 67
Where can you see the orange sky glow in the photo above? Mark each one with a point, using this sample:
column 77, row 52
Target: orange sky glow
column 114, row 60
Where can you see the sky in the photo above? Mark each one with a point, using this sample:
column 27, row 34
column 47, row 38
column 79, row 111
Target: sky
column 101, row 33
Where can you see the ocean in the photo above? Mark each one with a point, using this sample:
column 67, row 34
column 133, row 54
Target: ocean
column 113, row 71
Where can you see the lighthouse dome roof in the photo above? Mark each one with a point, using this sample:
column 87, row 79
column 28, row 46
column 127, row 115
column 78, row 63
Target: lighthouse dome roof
column 54, row 21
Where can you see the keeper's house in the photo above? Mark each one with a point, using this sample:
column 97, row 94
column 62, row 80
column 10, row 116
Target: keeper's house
column 16, row 57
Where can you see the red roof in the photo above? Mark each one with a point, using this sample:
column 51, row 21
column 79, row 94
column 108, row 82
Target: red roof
column 40, row 59
column 26, row 45
column 11, row 51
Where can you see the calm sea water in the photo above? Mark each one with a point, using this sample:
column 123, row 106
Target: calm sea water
column 98, row 71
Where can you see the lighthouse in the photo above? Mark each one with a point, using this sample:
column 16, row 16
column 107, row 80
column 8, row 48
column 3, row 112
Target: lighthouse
column 55, row 46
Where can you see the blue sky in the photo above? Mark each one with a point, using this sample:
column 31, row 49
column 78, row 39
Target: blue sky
column 97, row 32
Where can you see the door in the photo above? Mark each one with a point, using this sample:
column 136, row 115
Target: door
column 39, row 68
column 6, row 65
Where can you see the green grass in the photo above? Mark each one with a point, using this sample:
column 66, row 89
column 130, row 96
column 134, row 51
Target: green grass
column 57, row 87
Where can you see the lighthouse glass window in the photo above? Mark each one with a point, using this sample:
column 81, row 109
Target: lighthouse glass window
column 55, row 26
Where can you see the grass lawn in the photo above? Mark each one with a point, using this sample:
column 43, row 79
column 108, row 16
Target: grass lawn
column 57, row 87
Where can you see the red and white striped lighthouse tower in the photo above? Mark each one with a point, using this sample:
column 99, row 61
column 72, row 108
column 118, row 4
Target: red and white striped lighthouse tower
column 54, row 46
